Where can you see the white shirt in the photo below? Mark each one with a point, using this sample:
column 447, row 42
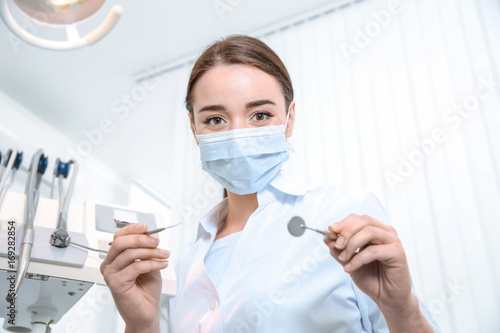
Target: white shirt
column 273, row 281
column 217, row 257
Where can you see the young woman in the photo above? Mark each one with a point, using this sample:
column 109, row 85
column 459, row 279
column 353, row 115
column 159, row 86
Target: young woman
column 245, row 272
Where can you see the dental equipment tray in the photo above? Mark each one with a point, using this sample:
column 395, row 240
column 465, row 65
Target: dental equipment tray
column 42, row 251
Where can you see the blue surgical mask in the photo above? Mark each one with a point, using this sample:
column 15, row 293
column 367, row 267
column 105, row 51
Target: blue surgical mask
column 244, row 160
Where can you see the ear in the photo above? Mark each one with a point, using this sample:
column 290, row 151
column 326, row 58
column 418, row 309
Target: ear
column 191, row 121
column 291, row 120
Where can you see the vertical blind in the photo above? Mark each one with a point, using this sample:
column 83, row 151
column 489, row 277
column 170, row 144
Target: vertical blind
column 402, row 98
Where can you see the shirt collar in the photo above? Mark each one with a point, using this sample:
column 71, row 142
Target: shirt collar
column 209, row 222
column 290, row 180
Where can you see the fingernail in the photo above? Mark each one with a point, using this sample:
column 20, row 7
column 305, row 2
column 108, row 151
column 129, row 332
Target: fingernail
column 342, row 256
column 140, row 226
column 153, row 240
column 340, row 242
column 347, row 267
column 164, row 252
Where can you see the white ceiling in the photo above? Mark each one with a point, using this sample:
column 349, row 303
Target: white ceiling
column 72, row 89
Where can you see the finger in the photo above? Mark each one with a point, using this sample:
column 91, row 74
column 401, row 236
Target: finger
column 131, row 272
column 329, row 242
column 333, row 236
column 122, row 279
column 337, row 227
column 383, row 253
column 136, row 228
column 351, row 225
column 130, row 241
column 333, row 251
column 367, row 235
column 347, row 228
column 129, row 256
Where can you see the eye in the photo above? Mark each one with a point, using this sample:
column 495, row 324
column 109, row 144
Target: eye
column 261, row 116
column 215, row 120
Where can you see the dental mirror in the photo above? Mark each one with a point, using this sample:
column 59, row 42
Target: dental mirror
column 297, row 227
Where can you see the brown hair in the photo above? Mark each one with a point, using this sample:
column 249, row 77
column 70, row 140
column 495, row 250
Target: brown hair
column 243, row 50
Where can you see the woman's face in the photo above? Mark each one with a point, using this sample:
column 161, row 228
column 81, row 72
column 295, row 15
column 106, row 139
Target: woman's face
column 230, row 97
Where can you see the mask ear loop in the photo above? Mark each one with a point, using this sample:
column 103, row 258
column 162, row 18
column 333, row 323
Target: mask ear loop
column 194, row 129
column 286, row 122
column 192, row 124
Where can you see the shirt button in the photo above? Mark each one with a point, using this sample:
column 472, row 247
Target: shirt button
column 213, row 303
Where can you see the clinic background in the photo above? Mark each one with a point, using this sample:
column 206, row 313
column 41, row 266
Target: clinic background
column 406, row 104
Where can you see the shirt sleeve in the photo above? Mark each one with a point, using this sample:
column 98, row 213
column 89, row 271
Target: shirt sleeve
column 426, row 312
column 372, row 318
column 167, row 305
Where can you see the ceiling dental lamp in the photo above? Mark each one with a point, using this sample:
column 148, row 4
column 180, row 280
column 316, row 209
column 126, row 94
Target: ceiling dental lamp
column 60, row 14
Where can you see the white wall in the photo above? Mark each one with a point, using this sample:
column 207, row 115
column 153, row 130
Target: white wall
column 21, row 129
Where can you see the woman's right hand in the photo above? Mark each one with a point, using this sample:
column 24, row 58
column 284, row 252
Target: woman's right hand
column 131, row 271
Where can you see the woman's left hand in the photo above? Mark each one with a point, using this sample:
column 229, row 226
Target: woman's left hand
column 380, row 268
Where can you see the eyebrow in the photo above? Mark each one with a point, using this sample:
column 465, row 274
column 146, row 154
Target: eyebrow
column 249, row 105
column 259, row 102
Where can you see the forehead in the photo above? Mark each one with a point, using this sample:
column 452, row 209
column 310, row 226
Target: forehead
column 235, row 83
